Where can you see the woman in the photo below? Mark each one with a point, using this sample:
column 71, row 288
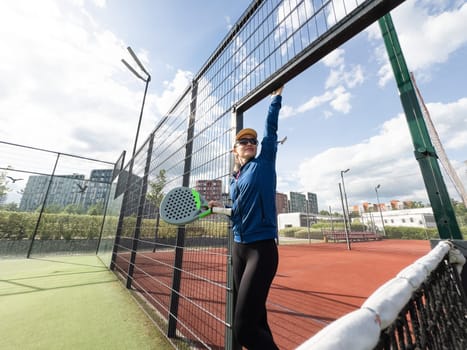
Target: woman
column 254, row 254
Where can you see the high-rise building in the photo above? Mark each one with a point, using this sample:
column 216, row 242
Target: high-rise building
column 210, row 189
column 66, row 190
column 302, row 203
column 312, row 203
column 98, row 187
column 63, row 190
column 282, row 203
column 297, row 202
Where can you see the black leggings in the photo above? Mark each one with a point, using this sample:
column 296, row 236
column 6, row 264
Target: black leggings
column 254, row 267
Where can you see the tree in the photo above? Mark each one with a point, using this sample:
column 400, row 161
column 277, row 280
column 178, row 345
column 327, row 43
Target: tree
column 155, row 193
column 73, row 209
column 413, row 204
column 10, row 206
column 155, row 196
column 51, row 208
column 418, row 204
column 96, row 209
column 3, row 188
column 460, row 211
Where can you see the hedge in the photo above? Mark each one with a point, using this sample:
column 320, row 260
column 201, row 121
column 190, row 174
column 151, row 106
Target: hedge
column 21, row 225
column 392, row 232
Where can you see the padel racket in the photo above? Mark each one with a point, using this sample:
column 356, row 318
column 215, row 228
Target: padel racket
column 183, row 205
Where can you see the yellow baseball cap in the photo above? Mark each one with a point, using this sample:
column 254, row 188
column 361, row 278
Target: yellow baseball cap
column 246, row 131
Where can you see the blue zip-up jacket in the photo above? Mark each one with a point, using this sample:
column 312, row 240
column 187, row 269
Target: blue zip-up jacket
column 253, row 192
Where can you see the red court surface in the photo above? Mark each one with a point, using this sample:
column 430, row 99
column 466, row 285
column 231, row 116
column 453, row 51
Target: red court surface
column 318, row 283
column 315, row 284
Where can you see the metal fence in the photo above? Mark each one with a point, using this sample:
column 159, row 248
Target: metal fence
column 62, row 201
column 183, row 273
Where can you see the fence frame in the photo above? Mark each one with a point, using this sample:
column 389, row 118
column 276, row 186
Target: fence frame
column 363, row 15
column 50, row 179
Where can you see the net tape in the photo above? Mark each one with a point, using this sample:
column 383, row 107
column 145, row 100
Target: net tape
column 424, row 305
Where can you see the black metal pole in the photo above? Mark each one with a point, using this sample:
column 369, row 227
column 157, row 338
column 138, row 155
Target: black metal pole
column 345, row 220
column 380, row 211
column 103, row 217
column 345, row 197
column 141, row 115
column 132, row 160
column 332, row 224
column 308, row 220
column 147, row 80
column 42, row 208
column 139, row 216
column 181, row 232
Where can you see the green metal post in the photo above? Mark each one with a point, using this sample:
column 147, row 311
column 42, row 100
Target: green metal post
column 425, row 153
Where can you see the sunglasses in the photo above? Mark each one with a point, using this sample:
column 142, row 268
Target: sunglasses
column 245, row 142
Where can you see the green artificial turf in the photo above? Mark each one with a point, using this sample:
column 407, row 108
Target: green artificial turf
column 70, row 303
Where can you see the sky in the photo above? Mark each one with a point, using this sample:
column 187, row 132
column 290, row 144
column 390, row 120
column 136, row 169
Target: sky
column 64, row 88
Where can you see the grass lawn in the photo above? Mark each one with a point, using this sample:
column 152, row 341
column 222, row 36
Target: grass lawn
column 71, row 302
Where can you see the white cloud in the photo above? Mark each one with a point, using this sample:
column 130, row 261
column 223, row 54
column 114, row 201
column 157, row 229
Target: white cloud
column 334, row 59
column 447, row 118
column 289, row 23
column 287, row 112
column 100, row 3
column 425, row 40
column 341, row 102
column 241, row 77
column 228, row 22
column 350, row 77
column 63, row 86
column 386, row 158
column 369, row 161
column 315, row 102
column 338, row 10
column 422, row 31
column 338, row 99
column 60, row 71
column 338, row 84
column 312, row 103
column 172, row 90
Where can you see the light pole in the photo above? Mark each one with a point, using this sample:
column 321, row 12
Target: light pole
column 347, row 238
column 379, row 206
column 372, row 220
column 307, row 218
column 130, row 170
column 146, row 80
column 330, row 215
column 345, row 197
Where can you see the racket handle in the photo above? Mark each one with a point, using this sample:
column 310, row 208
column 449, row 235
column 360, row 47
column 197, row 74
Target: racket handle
column 219, row 210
